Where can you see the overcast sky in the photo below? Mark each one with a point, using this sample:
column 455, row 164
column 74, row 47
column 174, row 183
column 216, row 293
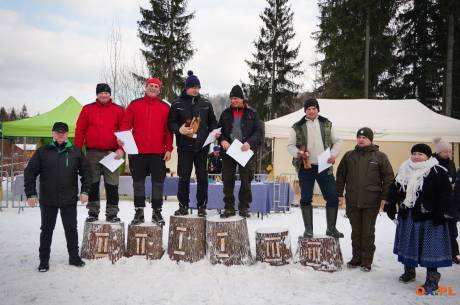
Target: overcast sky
column 52, row 49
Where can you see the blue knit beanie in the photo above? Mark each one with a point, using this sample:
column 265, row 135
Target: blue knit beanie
column 192, row 81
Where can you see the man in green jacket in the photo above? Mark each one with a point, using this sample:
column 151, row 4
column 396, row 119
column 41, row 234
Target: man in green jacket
column 366, row 175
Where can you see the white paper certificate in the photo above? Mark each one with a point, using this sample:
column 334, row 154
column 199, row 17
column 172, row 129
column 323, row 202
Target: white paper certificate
column 242, row 157
column 322, row 160
column 111, row 163
column 212, row 136
column 127, row 138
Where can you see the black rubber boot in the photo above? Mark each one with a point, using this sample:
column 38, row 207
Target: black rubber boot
column 408, row 275
column 92, row 217
column 307, row 216
column 157, row 217
column 331, row 218
column 138, row 217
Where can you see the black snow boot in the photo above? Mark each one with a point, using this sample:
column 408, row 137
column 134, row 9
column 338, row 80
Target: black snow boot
column 331, row 219
column 138, row 217
column 202, row 211
column 76, row 261
column 228, row 213
column 44, row 266
column 307, row 216
column 182, row 211
column 408, row 275
column 157, row 217
column 432, row 281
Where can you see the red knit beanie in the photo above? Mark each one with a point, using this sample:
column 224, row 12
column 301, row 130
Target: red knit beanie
column 153, row 80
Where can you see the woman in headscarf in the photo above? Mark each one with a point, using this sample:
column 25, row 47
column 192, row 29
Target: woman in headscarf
column 420, row 196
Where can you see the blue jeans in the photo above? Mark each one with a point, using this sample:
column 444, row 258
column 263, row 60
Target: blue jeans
column 326, row 183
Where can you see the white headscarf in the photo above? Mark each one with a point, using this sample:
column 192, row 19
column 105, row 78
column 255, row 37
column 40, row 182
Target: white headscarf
column 410, row 176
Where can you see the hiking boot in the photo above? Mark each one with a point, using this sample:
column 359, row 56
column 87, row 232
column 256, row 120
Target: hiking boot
column 44, row 266
column 182, row 211
column 112, row 218
column 76, row 261
column 157, row 217
column 331, row 219
column 92, row 218
column 366, row 268
column 307, row 217
column 408, row 275
column 202, row 212
column 138, row 217
column 354, row 263
column 228, row 213
column 244, row 213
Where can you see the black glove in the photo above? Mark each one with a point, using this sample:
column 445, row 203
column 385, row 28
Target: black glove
column 390, row 210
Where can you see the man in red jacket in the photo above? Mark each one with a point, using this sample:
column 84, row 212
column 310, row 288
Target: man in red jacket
column 95, row 130
column 148, row 119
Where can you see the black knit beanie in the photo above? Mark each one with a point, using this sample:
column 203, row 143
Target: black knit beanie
column 421, row 148
column 237, row 92
column 103, row 88
column 310, row 102
column 192, row 81
column 367, row 132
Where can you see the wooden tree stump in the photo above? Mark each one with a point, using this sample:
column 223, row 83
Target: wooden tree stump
column 145, row 240
column 103, row 239
column 273, row 246
column 320, row 252
column 187, row 240
column 227, row 241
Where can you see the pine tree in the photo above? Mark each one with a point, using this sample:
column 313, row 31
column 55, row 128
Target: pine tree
column 13, row 116
column 420, row 57
column 23, row 114
column 164, row 32
column 3, row 115
column 274, row 67
column 342, row 41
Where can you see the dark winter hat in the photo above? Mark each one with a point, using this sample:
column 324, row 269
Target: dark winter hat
column 60, row 127
column 192, row 81
column 103, row 88
column 367, row 132
column 310, row 102
column 237, row 92
column 216, row 148
column 421, row 148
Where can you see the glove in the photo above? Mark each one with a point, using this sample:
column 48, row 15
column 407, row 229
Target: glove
column 390, row 210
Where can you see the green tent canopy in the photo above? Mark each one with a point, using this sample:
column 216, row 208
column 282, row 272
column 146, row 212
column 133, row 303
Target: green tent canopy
column 40, row 126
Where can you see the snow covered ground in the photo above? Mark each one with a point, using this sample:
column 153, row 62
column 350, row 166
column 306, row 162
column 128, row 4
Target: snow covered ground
column 138, row 281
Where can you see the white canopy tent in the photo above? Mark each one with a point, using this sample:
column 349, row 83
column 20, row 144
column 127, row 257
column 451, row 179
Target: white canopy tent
column 391, row 120
column 397, row 124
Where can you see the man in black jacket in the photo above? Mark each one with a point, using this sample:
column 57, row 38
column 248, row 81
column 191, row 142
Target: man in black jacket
column 191, row 118
column 242, row 123
column 58, row 164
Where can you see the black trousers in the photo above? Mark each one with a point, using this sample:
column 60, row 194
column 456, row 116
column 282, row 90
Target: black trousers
column 142, row 165
column 453, row 232
column 186, row 160
column 246, row 175
column 69, row 221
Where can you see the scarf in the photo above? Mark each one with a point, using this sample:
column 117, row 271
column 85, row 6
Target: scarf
column 410, row 177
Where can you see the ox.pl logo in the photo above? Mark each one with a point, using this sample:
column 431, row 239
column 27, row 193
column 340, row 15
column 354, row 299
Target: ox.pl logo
column 442, row 291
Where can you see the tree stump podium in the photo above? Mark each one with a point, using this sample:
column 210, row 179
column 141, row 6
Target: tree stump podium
column 145, row 240
column 103, row 239
column 187, row 240
column 227, row 241
column 320, row 252
column 273, row 246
